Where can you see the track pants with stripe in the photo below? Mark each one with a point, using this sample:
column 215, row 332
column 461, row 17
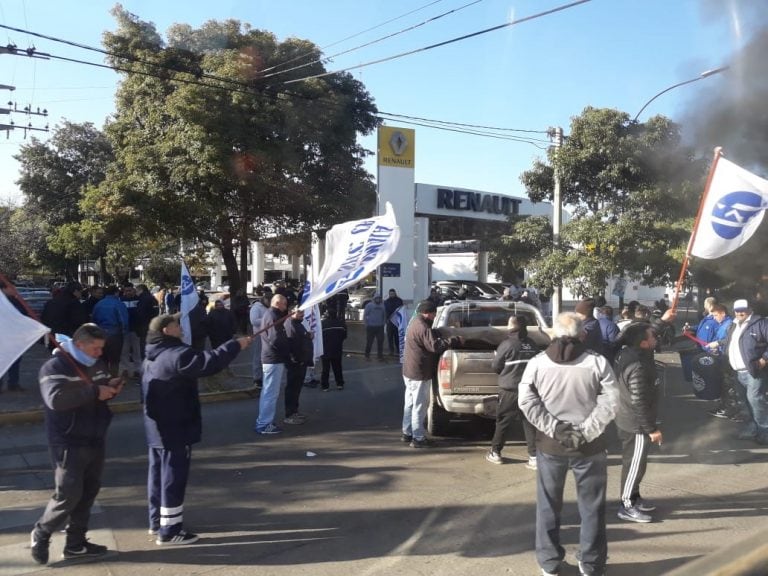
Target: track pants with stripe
column 166, row 486
column 634, row 459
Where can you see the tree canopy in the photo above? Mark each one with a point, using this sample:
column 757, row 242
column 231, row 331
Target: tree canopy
column 208, row 149
column 632, row 189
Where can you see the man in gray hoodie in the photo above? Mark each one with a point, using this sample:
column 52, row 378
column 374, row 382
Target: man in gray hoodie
column 569, row 394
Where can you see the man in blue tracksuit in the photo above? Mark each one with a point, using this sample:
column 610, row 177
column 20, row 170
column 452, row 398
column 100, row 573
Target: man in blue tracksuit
column 172, row 419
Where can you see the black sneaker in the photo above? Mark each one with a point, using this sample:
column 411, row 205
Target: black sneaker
column 406, row 438
column 634, row 514
column 85, row 550
column 38, row 546
column 718, row 413
column 421, row 443
column 179, row 539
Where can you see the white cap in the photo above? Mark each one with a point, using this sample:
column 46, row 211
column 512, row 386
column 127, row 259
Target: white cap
column 740, row 305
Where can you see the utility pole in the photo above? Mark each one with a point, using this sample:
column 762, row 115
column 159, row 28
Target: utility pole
column 556, row 134
column 11, row 125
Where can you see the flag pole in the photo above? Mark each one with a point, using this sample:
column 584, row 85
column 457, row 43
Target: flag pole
column 678, row 286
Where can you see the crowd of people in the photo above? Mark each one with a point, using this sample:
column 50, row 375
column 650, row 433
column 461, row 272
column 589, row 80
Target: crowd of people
column 594, row 372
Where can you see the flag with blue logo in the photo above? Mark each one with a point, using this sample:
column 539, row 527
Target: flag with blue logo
column 734, row 205
column 400, row 319
column 189, row 300
column 19, row 333
column 312, row 317
column 352, row 251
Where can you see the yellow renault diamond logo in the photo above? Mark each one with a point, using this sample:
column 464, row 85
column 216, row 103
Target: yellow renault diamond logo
column 396, row 147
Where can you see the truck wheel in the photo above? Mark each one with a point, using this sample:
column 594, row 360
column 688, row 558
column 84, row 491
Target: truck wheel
column 437, row 418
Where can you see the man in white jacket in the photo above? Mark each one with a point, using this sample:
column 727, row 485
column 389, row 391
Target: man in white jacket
column 569, row 394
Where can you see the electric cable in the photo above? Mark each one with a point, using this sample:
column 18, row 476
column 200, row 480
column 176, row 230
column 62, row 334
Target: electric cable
column 372, row 42
column 355, row 35
column 462, row 124
column 440, row 44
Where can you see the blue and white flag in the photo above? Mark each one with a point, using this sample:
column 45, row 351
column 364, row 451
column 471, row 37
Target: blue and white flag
column 352, row 251
column 733, row 209
column 400, row 319
column 189, row 300
column 312, row 317
column 19, row 333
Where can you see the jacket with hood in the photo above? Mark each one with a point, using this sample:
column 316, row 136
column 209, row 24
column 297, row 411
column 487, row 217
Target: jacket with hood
column 74, row 415
column 423, row 347
column 172, row 417
column 511, row 358
column 638, row 399
column 568, row 383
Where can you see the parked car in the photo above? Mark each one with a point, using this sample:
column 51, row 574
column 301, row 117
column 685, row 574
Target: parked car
column 359, row 298
column 35, row 297
column 473, row 289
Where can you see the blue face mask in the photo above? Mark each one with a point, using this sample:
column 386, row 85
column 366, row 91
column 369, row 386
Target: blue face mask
column 68, row 345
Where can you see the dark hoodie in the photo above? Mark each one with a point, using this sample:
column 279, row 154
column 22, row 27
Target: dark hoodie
column 172, row 417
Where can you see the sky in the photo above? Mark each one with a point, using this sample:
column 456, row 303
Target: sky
column 529, row 76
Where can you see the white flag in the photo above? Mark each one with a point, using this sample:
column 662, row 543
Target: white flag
column 400, row 319
column 19, row 333
column 312, row 317
column 189, row 300
column 352, row 251
column 733, row 209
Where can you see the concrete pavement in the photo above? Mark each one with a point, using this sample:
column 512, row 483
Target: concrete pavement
column 366, row 505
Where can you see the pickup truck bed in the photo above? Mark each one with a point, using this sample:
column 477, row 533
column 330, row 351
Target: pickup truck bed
column 465, row 383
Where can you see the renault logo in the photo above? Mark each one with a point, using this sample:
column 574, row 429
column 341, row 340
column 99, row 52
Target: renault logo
column 398, row 142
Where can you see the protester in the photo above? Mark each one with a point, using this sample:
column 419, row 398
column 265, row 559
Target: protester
column 423, row 346
column 95, row 293
column 374, row 318
column 334, row 334
column 146, row 309
column 131, row 353
column 747, row 348
column 732, row 402
column 636, row 417
column 300, row 355
column 111, row 315
column 569, row 395
column 591, row 335
column 509, row 362
column 75, row 387
column 275, row 353
column 609, row 333
column 64, row 313
column 256, row 314
column 221, row 324
column 173, row 421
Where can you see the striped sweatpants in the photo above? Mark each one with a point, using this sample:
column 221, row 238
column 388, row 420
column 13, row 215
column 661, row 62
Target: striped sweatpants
column 634, row 458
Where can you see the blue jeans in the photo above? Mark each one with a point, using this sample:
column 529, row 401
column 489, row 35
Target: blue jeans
column 416, row 404
column 258, row 371
column 270, row 392
column 13, row 376
column 756, row 401
column 590, row 473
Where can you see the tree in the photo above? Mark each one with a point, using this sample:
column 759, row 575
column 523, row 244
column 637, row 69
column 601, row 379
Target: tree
column 54, row 177
column 209, row 149
column 633, row 190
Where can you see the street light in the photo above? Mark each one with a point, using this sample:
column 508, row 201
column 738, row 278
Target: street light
column 705, row 74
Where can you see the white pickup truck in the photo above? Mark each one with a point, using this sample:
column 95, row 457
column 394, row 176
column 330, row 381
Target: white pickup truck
column 465, row 382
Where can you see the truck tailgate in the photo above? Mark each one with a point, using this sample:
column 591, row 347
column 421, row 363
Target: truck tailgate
column 471, row 372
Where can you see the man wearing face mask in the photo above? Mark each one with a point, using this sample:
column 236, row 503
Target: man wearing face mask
column 75, row 387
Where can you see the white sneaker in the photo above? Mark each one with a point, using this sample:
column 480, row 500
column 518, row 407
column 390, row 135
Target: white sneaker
column 494, row 457
column 531, row 464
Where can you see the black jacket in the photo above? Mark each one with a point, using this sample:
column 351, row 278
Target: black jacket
column 221, row 326
column 334, row 334
column 753, row 343
column 74, row 415
column 638, row 398
column 64, row 314
column 172, row 417
column 510, row 359
column 301, row 349
column 423, row 347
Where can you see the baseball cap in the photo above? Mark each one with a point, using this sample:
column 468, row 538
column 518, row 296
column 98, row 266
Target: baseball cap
column 740, row 305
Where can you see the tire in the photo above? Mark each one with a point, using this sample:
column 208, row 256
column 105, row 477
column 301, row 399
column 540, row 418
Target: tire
column 438, row 420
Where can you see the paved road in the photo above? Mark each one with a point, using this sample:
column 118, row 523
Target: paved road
column 365, row 504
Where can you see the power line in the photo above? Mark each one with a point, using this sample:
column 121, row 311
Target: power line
column 444, row 43
column 462, row 124
column 507, row 137
column 372, row 42
column 355, row 35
